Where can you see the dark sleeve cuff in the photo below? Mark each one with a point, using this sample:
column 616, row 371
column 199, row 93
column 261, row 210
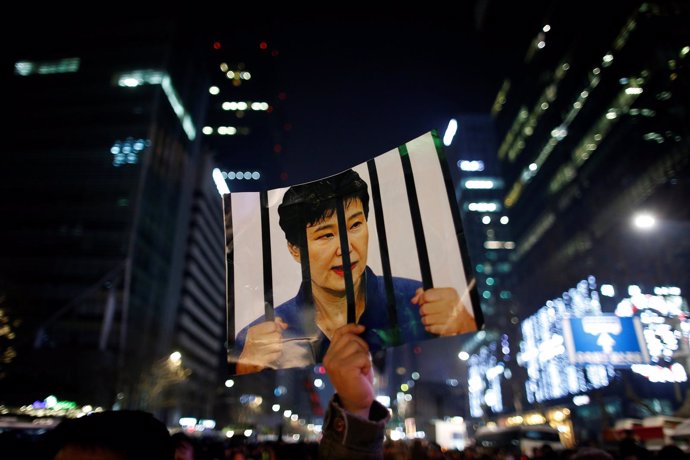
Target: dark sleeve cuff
column 346, row 435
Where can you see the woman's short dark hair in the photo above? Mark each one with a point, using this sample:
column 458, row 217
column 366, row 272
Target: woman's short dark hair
column 309, row 203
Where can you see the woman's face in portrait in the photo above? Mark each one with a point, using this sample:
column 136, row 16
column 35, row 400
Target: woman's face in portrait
column 325, row 255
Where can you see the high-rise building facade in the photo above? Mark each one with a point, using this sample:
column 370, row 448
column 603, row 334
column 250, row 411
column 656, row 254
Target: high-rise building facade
column 592, row 133
column 246, row 127
column 480, row 188
column 99, row 181
column 593, row 129
column 199, row 331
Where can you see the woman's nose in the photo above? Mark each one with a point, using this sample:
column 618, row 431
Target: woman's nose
column 339, row 250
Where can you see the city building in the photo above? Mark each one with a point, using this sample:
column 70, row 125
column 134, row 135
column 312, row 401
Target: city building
column 592, row 131
column 198, row 323
column 106, row 219
column 593, row 144
column 246, row 126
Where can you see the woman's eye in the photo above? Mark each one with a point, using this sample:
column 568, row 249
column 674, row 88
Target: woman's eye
column 355, row 225
column 325, row 236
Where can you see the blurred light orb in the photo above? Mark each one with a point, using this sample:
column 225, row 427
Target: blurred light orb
column 644, row 221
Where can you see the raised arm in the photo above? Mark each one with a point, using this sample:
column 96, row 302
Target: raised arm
column 354, row 423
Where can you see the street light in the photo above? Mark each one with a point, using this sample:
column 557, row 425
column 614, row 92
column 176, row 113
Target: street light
column 644, row 221
column 164, row 373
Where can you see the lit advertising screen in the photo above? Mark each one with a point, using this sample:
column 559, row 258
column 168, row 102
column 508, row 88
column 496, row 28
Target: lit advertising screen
column 605, row 339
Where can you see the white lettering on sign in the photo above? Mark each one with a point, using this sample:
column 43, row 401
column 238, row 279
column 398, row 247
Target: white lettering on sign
column 597, row 325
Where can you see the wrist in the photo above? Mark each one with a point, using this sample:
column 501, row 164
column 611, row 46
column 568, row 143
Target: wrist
column 246, row 368
column 360, row 410
column 348, row 436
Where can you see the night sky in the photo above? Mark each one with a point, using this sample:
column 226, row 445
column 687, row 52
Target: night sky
column 358, row 82
column 359, row 87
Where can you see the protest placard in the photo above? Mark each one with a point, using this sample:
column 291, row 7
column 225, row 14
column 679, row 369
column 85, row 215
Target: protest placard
column 406, row 274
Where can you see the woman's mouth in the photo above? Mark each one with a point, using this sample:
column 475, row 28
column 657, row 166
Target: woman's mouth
column 340, row 271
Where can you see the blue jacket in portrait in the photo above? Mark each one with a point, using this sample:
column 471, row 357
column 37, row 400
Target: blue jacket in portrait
column 304, row 343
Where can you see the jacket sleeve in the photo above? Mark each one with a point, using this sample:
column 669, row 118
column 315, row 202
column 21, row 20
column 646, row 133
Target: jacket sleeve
column 347, row 436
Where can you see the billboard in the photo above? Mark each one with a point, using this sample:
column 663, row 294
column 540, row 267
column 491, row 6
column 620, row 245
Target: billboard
column 605, row 339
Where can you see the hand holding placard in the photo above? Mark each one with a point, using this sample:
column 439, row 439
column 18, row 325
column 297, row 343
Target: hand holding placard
column 349, row 368
column 443, row 312
column 263, row 347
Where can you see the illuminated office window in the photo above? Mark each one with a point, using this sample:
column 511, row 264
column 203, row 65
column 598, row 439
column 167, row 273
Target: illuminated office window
column 26, row 68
